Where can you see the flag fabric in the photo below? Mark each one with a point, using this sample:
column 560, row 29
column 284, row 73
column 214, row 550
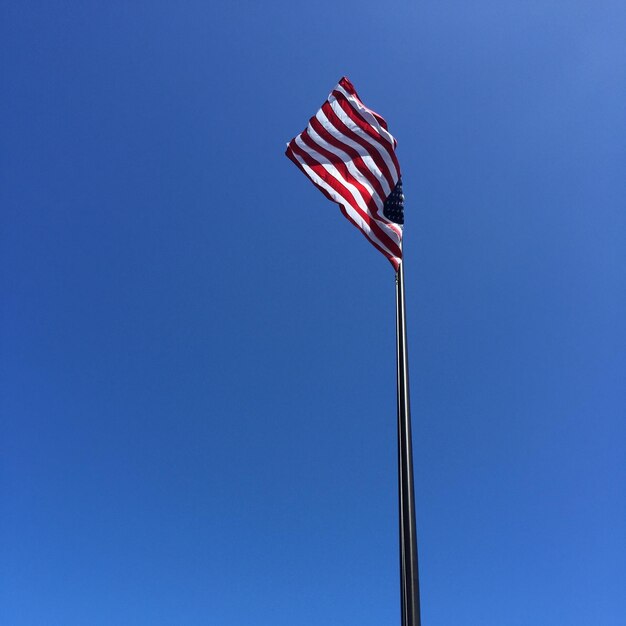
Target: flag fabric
column 349, row 155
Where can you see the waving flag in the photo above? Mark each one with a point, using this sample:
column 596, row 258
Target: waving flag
column 349, row 155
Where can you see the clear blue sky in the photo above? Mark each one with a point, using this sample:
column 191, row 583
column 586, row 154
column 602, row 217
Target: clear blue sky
column 197, row 350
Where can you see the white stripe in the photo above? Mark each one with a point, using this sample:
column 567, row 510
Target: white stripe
column 349, row 163
column 368, row 117
column 367, row 159
column 356, row 194
column 334, row 172
column 358, row 175
column 345, row 118
column 367, row 114
column 354, row 214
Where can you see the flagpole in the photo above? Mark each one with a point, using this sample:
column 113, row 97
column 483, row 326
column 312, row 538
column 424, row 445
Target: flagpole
column 409, row 575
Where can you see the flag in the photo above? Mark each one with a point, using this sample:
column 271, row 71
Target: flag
column 349, row 155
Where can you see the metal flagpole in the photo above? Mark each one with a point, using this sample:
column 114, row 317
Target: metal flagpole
column 409, row 575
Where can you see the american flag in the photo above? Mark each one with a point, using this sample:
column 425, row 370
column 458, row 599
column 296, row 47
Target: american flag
column 349, row 155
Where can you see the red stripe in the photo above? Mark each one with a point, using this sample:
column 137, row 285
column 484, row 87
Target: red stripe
column 365, row 124
column 349, row 87
column 356, row 160
column 366, row 127
column 290, row 154
column 342, row 129
column 340, row 189
column 341, row 167
column 392, row 259
column 353, row 154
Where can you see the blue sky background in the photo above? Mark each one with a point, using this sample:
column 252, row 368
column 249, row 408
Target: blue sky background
column 197, row 387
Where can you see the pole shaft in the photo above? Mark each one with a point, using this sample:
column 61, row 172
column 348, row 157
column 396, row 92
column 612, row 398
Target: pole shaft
column 409, row 575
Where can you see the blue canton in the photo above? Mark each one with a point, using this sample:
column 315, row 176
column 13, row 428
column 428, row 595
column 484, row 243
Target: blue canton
column 394, row 205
